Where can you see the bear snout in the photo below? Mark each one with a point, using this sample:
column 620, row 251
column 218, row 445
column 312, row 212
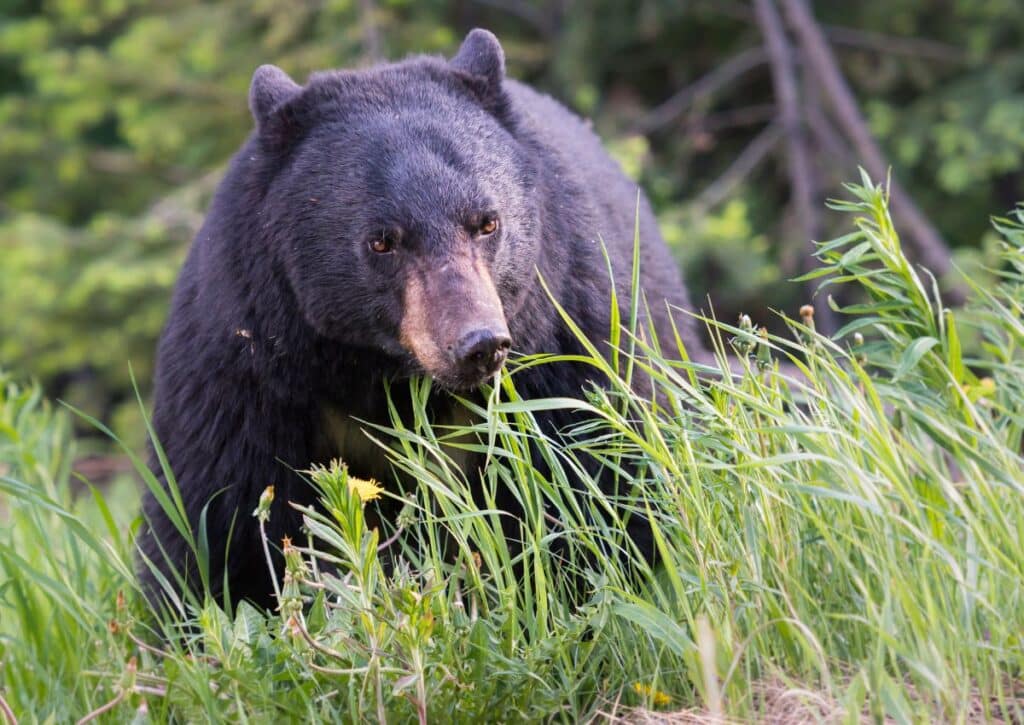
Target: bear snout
column 480, row 353
column 453, row 322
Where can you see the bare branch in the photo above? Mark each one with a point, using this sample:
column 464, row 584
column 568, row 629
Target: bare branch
column 784, row 81
column 894, row 44
column 721, row 76
column 748, row 160
column 925, row 241
column 745, row 116
column 801, row 180
column 853, row 37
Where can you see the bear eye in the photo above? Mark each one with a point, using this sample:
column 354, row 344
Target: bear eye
column 384, row 243
column 488, row 225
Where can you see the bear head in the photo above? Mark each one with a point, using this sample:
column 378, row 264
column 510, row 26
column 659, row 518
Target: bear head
column 400, row 203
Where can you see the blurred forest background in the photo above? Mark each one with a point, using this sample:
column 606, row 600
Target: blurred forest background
column 118, row 116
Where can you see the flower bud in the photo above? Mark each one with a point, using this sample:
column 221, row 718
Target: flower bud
column 262, row 512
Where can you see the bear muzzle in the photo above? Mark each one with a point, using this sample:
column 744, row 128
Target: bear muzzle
column 454, row 325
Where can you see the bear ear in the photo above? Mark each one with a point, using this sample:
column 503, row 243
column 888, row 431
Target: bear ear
column 481, row 55
column 270, row 89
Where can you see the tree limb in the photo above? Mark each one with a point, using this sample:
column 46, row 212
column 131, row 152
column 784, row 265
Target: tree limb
column 925, row 241
column 856, row 38
column 801, row 180
column 745, row 116
column 894, row 44
column 721, row 76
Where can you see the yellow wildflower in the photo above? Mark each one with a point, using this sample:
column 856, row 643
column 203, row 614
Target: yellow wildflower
column 336, row 474
column 657, row 697
column 365, row 489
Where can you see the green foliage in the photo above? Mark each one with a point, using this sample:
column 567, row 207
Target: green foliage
column 117, row 115
column 84, row 302
column 842, row 542
column 64, row 553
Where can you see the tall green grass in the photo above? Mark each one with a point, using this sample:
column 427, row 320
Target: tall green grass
column 841, row 542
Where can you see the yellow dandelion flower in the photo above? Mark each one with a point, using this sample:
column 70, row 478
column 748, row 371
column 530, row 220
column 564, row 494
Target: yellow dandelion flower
column 657, row 697
column 365, row 489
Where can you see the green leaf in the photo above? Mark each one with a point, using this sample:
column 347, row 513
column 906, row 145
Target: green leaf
column 912, row 355
column 657, row 624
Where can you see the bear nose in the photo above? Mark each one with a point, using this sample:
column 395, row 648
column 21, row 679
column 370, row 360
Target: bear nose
column 482, row 352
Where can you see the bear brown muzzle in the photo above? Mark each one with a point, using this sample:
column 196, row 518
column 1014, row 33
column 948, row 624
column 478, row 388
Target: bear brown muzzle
column 453, row 321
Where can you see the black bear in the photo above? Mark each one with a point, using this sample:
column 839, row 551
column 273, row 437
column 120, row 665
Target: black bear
column 377, row 225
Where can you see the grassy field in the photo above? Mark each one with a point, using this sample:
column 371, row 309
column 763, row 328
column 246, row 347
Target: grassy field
column 846, row 548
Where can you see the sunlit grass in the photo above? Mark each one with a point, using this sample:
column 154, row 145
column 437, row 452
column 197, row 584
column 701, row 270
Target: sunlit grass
column 845, row 538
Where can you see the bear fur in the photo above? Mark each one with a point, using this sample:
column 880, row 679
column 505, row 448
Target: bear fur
column 347, row 246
